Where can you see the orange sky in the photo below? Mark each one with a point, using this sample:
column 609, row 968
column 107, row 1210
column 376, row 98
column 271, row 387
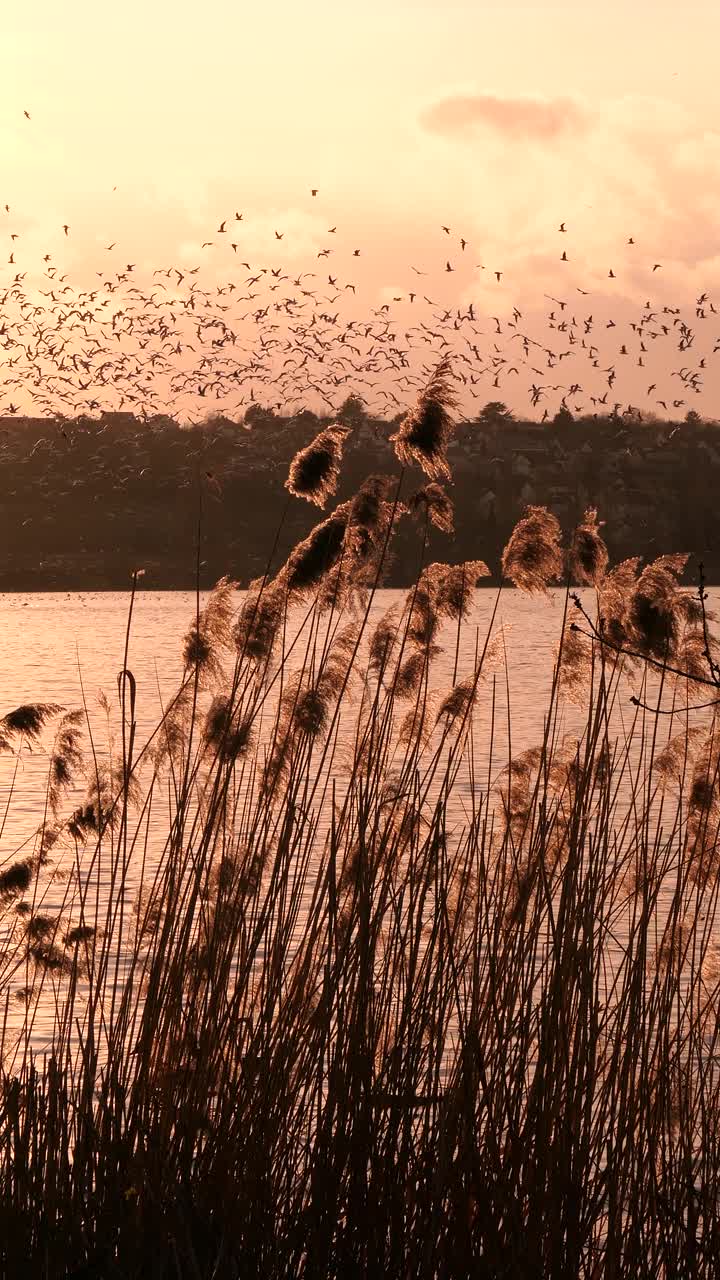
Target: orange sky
column 150, row 122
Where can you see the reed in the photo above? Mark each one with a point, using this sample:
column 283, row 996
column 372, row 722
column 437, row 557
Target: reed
column 337, row 1025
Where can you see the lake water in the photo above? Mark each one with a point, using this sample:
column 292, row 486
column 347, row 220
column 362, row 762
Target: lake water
column 65, row 648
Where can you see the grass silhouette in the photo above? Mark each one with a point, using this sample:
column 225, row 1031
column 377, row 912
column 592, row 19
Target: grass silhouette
column 339, row 1031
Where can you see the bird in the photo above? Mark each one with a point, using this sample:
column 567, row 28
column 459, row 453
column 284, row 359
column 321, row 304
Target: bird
column 657, row 266
column 26, row 115
column 65, row 228
column 279, row 235
column 448, row 267
column 221, row 229
column 611, row 274
column 562, row 227
column 564, row 257
column 313, row 191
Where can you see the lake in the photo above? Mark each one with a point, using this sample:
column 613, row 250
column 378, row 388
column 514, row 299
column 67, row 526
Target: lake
column 65, row 648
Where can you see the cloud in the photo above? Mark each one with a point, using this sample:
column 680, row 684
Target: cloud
column 520, row 119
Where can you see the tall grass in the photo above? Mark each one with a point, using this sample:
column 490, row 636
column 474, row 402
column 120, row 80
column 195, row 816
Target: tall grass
column 339, row 1024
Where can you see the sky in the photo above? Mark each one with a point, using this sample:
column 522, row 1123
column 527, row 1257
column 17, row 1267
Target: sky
column 151, row 122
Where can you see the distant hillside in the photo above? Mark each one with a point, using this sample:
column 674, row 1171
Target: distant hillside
column 84, row 502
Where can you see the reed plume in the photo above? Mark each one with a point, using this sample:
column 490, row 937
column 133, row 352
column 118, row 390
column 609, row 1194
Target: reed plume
column 16, row 878
column 314, row 557
column 574, row 663
column 227, row 730
column 27, row 721
column 368, row 504
column 587, row 554
column 409, row 672
column 454, row 586
column 459, row 701
column 656, row 607
column 211, row 631
column 615, row 595
column 383, row 640
column 424, row 433
column 533, row 557
column 260, row 619
column 315, row 470
column 67, row 757
column 678, row 754
column 437, row 506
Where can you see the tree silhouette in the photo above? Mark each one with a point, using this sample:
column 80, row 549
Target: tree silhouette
column 495, row 414
column 352, row 412
column 563, row 417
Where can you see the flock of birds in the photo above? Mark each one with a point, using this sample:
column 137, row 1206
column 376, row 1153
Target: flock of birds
column 181, row 340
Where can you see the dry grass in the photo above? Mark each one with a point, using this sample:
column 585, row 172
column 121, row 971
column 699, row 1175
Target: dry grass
column 340, row 1032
